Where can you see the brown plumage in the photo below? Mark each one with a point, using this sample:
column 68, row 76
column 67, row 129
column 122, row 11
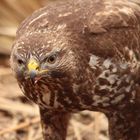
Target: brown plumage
column 79, row 55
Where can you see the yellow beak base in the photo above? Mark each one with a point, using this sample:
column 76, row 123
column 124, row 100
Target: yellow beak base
column 33, row 65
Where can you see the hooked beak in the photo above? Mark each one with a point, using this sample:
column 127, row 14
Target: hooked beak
column 33, row 68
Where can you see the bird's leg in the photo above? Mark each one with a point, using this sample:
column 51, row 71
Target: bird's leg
column 125, row 125
column 54, row 124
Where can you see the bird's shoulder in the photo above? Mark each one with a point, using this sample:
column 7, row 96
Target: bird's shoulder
column 115, row 30
column 115, row 14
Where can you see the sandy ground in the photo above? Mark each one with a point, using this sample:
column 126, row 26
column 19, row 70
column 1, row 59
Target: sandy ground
column 19, row 118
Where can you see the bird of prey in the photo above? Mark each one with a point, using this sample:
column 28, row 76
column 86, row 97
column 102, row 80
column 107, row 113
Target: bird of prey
column 75, row 55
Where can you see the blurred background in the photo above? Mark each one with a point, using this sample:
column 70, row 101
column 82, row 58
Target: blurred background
column 19, row 118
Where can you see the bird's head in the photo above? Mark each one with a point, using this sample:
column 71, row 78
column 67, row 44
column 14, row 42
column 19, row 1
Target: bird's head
column 49, row 56
column 44, row 68
column 34, row 57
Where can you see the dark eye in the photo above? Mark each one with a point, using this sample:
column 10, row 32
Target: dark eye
column 20, row 62
column 51, row 59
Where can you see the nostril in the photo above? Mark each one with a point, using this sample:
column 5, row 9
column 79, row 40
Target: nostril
column 37, row 68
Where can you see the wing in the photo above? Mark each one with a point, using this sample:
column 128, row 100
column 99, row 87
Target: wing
column 116, row 30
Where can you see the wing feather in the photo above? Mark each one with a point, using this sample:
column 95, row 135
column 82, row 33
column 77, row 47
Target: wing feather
column 116, row 31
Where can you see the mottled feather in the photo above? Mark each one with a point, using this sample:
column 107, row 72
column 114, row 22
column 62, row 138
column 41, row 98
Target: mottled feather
column 97, row 47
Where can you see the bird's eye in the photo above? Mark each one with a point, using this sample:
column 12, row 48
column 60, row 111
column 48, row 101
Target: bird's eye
column 20, row 62
column 51, row 59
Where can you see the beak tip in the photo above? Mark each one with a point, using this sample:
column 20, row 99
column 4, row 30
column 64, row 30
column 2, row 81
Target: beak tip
column 33, row 74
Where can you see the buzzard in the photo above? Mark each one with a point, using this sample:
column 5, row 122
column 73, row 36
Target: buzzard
column 75, row 55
